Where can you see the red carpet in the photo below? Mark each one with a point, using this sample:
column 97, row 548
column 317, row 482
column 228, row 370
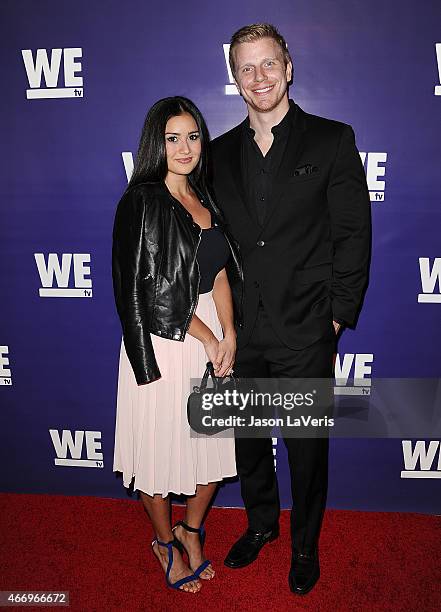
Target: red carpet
column 99, row 550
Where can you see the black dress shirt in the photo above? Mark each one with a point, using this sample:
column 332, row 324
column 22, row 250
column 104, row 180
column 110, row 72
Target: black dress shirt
column 258, row 171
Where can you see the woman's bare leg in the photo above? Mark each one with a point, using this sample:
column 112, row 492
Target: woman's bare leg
column 196, row 508
column 158, row 509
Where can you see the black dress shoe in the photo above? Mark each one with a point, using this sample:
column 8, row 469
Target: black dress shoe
column 247, row 547
column 304, row 573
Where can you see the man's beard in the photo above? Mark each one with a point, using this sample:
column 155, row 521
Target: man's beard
column 269, row 108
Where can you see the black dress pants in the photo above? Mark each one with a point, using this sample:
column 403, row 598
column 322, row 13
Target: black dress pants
column 265, row 356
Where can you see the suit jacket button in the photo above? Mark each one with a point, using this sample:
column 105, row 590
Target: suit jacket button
column 261, row 243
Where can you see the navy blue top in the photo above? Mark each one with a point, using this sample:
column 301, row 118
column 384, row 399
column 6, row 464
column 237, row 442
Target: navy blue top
column 213, row 254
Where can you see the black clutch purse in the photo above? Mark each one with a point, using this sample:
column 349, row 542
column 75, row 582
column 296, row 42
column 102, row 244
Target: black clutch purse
column 203, row 416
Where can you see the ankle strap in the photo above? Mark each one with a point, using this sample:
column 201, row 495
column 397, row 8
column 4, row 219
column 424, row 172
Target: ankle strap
column 191, row 529
column 173, row 542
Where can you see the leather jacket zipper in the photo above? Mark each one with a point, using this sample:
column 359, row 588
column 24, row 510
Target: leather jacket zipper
column 195, row 301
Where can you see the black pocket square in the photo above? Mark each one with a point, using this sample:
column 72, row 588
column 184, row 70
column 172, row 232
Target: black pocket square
column 306, row 169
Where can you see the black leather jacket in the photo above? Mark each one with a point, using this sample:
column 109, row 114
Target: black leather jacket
column 155, row 271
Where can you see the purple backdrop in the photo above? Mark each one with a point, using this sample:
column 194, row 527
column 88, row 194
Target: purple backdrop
column 373, row 65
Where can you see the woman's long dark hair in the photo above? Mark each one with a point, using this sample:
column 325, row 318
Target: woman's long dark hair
column 151, row 159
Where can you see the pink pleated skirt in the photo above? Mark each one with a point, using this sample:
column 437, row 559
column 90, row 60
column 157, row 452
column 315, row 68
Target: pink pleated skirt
column 153, row 443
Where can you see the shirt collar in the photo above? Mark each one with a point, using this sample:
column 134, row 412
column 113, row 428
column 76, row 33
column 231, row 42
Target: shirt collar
column 281, row 127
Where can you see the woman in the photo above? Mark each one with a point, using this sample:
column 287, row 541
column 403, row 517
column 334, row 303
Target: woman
column 174, row 270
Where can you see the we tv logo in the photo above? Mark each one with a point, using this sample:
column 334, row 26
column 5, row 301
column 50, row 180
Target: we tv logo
column 127, row 157
column 55, row 275
column 49, row 68
column 429, row 277
column 274, row 441
column 420, row 461
column 352, row 374
column 374, row 169
column 70, row 449
column 230, row 89
column 437, row 91
column 5, row 373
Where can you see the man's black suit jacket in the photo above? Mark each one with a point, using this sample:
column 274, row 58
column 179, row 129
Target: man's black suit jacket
column 310, row 259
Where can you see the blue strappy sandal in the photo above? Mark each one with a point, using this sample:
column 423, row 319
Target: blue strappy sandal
column 201, row 532
column 169, row 545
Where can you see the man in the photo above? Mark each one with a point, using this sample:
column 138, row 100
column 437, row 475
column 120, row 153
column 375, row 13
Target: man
column 294, row 195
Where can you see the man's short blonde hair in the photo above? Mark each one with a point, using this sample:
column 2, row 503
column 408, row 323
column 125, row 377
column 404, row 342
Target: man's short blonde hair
column 257, row 31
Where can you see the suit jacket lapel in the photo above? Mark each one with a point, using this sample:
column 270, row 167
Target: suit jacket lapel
column 293, row 151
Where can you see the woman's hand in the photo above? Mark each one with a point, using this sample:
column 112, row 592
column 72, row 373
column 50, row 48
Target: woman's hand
column 224, row 306
column 211, row 349
column 226, row 353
